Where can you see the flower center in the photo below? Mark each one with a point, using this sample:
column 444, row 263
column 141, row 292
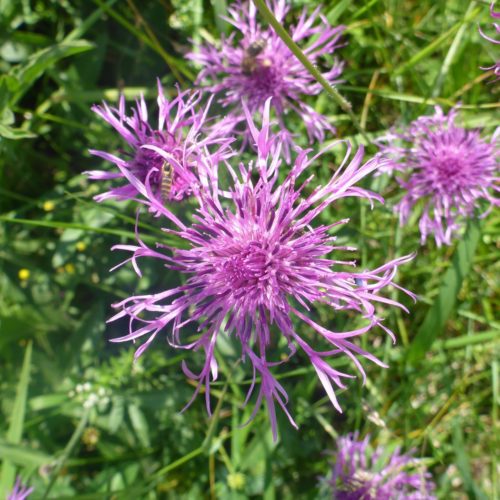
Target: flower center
column 248, row 268
column 263, row 78
column 449, row 165
column 446, row 164
column 254, row 273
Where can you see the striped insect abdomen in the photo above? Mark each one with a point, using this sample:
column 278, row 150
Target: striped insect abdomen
column 166, row 181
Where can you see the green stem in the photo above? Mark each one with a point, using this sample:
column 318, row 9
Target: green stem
column 332, row 91
column 75, row 438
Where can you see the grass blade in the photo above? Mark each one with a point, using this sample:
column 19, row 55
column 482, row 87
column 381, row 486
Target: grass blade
column 434, row 44
column 463, row 465
column 15, row 431
column 440, row 311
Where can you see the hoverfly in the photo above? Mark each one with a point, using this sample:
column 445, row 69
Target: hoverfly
column 249, row 62
column 166, row 177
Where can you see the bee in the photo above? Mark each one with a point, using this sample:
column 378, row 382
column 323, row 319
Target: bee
column 249, row 62
column 166, row 177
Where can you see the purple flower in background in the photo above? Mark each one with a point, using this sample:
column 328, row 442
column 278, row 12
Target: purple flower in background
column 254, row 64
column 256, row 266
column 496, row 66
column 445, row 168
column 359, row 473
column 163, row 158
column 20, row 492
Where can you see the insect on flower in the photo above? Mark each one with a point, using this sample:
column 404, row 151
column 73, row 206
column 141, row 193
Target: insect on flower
column 167, row 175
column 180, row 138
column 254, row 64
column 249, row 63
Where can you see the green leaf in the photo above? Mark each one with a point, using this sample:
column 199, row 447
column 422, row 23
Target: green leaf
column 116, row 414
column 15, row 431
column 140, row 424
column 220, row 9
column 466, row 340
column 15, row 133
column 90, row 328
column 92, row 229
column 40, row 61
column 442, row 308
column 17, row 418
column 334, row 14
column 23, row 456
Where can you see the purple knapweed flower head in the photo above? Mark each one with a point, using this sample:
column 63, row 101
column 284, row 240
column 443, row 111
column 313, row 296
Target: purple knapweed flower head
column 254, row 64
column 256, row 264
column 163, row 157
column 446, row 168
column 361, row 473
column 20, row 492
column 496, row 66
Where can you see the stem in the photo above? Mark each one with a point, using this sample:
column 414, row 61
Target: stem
column 332, row 91
column 75, row 438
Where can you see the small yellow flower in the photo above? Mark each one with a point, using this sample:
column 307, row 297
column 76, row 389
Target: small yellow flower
column 81, row 246
column 90, row 437
column 48, row 206
column 23, row 274
column 69, row 268
column 236, row 481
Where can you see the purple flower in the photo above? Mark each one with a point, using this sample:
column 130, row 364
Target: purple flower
column 359, row 473
column 256, row 265
column 20, row 492
column 163, row 158
column 446, row 168
column 496, row 66
column 254, row 64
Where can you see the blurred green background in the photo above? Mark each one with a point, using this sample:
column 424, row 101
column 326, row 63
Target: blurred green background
column 78, row 419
